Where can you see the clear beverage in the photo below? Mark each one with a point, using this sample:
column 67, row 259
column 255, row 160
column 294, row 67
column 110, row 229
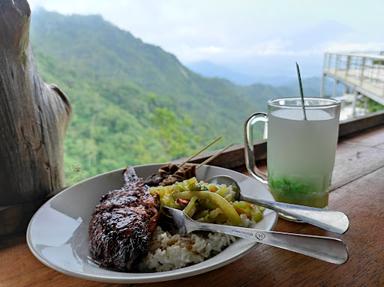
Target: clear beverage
column 301, row 155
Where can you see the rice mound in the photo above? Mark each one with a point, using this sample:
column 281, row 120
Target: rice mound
column 169, row 252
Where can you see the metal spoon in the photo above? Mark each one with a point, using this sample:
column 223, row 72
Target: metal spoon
column 334, row 221
column 328, row 249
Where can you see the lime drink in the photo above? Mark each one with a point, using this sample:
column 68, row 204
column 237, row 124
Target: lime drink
column 301, row 155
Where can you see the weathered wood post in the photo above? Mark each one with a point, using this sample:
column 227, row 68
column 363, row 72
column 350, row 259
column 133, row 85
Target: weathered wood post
column 33, row 121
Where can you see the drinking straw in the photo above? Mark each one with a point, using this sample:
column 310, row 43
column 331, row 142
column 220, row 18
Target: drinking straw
column 301, row 90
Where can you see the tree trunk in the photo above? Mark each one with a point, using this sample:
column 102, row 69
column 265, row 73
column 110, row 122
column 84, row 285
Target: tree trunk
column 33, row 121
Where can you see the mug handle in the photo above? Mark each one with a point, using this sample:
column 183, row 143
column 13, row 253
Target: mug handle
column 248, row 142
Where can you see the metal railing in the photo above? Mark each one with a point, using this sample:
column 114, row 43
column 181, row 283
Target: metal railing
column 361, row 72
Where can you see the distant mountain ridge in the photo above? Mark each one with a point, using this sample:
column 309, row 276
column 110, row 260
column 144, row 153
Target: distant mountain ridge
column 134, row 102
column 212, row 70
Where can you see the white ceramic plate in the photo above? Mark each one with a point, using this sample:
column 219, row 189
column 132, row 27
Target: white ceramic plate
column 58, row 233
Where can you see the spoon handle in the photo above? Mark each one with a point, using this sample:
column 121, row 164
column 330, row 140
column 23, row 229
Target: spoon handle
column 334, row 221
column 328, row 249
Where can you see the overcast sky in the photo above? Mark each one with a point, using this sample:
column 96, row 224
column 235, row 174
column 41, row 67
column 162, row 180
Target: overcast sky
column 200, row 29
column 237, row 31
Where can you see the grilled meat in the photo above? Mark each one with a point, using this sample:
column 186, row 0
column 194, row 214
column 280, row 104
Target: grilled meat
column 171, row 173
column 121, row 227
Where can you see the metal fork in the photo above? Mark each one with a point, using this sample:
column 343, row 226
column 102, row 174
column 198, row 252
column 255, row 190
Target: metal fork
column 332, row 250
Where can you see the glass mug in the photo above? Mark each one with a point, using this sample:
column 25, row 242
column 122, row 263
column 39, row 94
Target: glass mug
column 300, row 152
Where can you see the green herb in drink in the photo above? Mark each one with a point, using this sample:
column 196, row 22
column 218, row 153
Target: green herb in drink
column 297, row 191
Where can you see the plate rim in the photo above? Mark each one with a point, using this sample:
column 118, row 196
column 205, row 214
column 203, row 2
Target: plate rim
column 161, row 276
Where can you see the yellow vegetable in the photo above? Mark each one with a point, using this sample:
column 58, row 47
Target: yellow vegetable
column 227, row 209
column 190, row 209
column 207, row 202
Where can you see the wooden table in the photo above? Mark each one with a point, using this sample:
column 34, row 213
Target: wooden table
column 357, row 190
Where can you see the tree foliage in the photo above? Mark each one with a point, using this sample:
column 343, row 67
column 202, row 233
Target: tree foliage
column 134, row 103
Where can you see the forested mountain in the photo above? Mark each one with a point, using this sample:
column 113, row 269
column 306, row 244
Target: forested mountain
column 134, row 102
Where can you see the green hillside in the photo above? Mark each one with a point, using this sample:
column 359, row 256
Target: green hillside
column 133, row 102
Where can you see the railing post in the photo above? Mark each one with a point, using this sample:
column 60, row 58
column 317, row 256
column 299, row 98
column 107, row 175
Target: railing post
column 354, row 104
column 322, row 86
column 362, row 70
column 348, row 65
column 337, row 63
column 365, row 104
column 323, row 75
column 335, row 83
column 346, row 89
column 329, row 61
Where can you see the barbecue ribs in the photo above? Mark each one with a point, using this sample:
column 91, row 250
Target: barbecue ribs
column 122, row 224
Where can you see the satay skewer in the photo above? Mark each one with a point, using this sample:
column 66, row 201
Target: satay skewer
column 171, row 173
column 200, row 151
column 214, row 156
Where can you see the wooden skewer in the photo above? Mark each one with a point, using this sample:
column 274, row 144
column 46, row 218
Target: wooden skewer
column 214, row 156
column 200, row 151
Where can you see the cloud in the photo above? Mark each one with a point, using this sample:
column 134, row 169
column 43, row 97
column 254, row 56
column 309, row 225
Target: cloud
column 223, row 54
column 239, row 32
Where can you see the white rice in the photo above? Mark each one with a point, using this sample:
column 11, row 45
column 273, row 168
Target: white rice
column 168, row 252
